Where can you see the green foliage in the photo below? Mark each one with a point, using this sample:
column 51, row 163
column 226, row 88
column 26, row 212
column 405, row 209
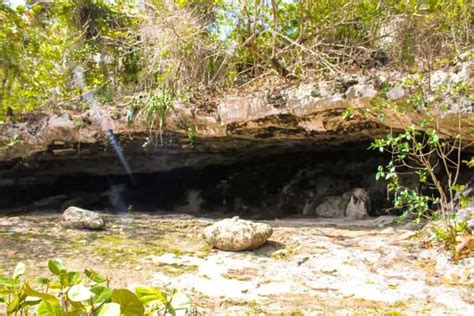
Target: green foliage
column 192, row 133
column 156, row 107
column 69, row 294
column 413, row 151
column 192, row 45
column 422, row 153
column 42, row 44
column 348, row 113
column 470, row 163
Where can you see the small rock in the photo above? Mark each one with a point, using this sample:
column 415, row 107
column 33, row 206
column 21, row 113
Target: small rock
column 438, row 78
column 361, row 91
column 78, row 218
column 234, row 234
column 395, row 93
column 333, row 206
column 359, row 204
column 465, row 214
column 60, row 122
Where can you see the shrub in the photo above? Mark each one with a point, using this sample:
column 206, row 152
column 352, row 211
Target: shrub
column 69, row 293
column 433, row 157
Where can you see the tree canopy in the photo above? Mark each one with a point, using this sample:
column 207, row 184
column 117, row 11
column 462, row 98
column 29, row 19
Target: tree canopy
column 127, row 48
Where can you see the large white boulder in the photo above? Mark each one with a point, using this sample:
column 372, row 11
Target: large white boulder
column 234, row 234
column 78, row 218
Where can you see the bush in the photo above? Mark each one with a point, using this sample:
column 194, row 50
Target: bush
column 433, row 156
column 68, row 293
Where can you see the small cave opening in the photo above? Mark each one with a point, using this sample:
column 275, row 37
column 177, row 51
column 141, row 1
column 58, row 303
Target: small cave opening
column 299, row 183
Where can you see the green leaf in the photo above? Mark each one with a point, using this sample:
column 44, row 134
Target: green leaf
column 46, row 308
column 94, row 276
column 109, row 309
column 79, row 293
column 8, row 282
column 31, row 292
column 56, row 266
column 14, row 304
column 20, row 269
column 102, row 294
column 130, row 305
column 73, row 278
column 43, row 281
column 150, row 294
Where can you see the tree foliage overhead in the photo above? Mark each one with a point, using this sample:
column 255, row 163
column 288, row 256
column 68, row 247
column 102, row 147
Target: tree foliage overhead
column 185, row 46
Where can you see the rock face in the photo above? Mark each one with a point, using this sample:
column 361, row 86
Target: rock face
column 41, row 149
column 353, row 204
column 333, row 206
column 78, row 218
column 307, row 115
column 234, row 234
column 359, row 204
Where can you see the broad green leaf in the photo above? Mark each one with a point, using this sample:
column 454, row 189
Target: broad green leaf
column 150, row 294
column 19, row 270
column 130, row 305
column 102, row 294
column 46, row 308
column 109, row 309
column 56, row 266
column 14, row 304
column 79, row 293
column 43, row 281
column 94, row 276
column 8, row 282
column 70, row 278
column 31, row 292
column 73, row 278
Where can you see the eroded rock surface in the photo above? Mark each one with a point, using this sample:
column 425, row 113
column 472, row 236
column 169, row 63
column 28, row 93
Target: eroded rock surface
column 311, row 267
column 333, row 206
column 78, row 218
column 235, row 234
column 227, row 128
column 359, row 204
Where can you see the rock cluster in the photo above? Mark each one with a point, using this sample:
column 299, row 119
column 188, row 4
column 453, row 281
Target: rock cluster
column 235, row 234
column 78, row 218
column 353, row 204
column 359, row 204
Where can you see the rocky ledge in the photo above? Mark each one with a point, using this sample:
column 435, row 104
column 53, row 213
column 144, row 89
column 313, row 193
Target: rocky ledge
column 323, row 118
column 233, row 126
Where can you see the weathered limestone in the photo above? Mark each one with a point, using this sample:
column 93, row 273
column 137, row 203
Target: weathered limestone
column 234, row 234
column 75, row 217
column 359, row 204
column 333, row 206
column 281, row 118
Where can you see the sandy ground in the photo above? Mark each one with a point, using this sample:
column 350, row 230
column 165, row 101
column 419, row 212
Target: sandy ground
column 309, row 267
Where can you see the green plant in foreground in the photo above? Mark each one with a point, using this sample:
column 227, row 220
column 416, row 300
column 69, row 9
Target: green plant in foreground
column 68, row 293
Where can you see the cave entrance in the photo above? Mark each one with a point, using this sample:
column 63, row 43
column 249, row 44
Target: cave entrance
column 285, row 184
